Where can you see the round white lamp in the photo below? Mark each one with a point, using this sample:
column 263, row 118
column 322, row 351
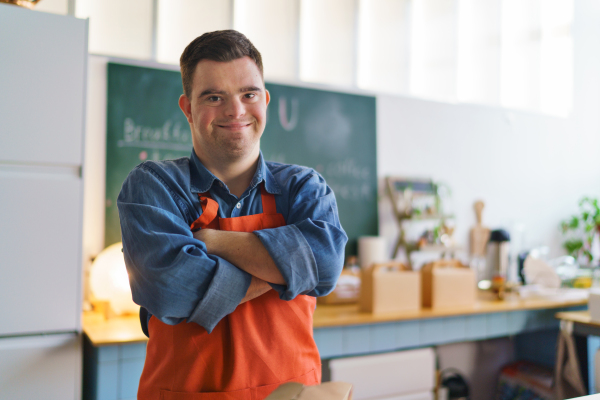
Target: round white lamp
column 109, row 280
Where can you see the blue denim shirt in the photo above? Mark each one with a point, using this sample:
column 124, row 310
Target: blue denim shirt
column 170, row 272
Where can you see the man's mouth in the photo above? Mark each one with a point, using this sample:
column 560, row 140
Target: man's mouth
column 235, row 125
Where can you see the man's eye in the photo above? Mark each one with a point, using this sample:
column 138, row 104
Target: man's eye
column 213, row 99
column 250, row 95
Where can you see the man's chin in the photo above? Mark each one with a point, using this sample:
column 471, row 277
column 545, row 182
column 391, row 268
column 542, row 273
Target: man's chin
column 235, row 152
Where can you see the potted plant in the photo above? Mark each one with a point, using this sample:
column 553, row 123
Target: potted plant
column 582, row 230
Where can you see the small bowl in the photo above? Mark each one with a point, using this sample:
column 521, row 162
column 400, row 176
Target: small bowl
column 22, row 3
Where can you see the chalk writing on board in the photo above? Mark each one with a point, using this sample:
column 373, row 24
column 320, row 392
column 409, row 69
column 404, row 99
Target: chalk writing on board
column 328, row 129
column 347, row 168
column 288, row 124
column 350, row 192
column 169, row 136
column 348, row 179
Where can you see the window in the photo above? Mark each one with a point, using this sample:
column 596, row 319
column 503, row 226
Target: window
column 272, row 26
column 119, row 28
column 478, row 74
column 327, row 41
column 512, row 53
column 433, row 49
column 181, row 21
column 383, row 45
column 54, row 6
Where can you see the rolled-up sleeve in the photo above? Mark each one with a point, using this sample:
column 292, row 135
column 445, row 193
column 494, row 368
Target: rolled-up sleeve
column 170, row 272
column 309, row 250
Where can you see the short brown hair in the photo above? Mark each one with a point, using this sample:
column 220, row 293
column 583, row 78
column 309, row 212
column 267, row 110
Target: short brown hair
column 222, row 46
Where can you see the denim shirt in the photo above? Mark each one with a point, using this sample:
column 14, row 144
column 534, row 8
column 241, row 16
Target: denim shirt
column 170, row 272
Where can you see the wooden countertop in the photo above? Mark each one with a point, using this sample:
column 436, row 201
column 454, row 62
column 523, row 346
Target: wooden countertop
column 118, row 330
column 126, row 329
column 329, row 316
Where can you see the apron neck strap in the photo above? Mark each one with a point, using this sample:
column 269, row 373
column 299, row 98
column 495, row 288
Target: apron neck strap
column 268, row 200
column 210, row 207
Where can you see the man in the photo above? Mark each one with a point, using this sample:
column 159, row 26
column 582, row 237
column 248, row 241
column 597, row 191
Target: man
column 226, row 252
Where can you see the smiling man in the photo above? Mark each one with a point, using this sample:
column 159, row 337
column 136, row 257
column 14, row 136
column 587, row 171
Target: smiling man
column 226, row 252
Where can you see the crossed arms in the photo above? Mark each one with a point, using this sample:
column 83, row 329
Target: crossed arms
column 245, row 251
column 178, row 275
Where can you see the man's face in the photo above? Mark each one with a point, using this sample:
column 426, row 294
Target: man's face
column 227, row 109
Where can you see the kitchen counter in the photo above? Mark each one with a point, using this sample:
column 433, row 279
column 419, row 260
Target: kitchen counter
column 115, row 349
column 126, row 329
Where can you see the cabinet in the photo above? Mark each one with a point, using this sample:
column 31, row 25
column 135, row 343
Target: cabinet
column 40, row 250
column 43, row 64
column 42, row 93
column 41, row 367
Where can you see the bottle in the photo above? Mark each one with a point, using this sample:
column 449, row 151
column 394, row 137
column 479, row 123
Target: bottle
column 497, row 254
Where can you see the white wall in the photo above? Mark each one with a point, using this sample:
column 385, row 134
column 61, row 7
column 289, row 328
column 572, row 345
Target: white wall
column 529, row 169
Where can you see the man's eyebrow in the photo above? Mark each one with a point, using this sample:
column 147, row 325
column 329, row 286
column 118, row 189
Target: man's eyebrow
column 212, row 91
column 250, row 89
column 242, row 90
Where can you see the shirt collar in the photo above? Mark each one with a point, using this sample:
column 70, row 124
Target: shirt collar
column 201, row 179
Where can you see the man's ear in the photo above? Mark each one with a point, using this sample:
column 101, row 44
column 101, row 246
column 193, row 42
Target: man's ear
column 268, row 96
column 186, row 107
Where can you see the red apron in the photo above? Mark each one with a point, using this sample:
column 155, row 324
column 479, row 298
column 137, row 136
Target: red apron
column 263, row 343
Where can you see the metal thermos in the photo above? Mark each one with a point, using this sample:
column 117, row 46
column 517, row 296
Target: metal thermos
column 497, row 254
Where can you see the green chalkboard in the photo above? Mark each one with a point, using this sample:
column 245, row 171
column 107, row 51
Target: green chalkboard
column 143, row 122
column 333, row 133
column 329, row 131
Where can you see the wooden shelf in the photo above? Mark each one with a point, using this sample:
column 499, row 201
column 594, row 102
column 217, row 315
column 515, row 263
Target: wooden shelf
column 426, row 217
column 439, row 248
column 581, row 317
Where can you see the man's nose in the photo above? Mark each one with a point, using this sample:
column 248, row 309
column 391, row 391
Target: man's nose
column 235, row 108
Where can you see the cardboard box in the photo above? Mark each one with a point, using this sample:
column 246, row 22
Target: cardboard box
column 324, row 391
column 346, row 291
column 390, row 287
column 448, row 283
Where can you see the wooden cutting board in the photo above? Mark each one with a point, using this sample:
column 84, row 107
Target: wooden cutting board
column 479, row 234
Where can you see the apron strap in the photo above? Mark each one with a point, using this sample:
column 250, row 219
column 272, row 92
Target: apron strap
column 268, row 200
column 210, row 209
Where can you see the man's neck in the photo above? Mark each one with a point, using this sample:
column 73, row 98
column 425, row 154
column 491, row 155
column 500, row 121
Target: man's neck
column 236, row 174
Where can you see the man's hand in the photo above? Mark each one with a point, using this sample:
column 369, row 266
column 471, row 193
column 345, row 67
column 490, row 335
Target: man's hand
column 257, row 287
column 244, row 250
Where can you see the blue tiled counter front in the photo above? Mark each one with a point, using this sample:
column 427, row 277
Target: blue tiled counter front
column 397, row 335
column 112, row 372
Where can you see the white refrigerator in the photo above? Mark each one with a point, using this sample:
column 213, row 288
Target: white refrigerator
column 43, row 61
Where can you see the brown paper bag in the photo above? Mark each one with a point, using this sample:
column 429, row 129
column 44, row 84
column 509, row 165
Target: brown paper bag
column 390, row 287
column 324, row 391
column 448, row 283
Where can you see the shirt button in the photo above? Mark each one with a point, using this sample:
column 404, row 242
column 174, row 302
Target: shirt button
column 238, row 205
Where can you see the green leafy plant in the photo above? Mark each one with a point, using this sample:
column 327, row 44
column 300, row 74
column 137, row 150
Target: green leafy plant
column 582, row 228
